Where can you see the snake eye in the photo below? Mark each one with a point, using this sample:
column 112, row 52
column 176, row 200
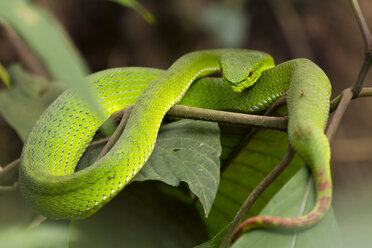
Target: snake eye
column 221, row 70
column 250, row 73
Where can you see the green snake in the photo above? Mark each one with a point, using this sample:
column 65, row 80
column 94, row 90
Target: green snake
column 47, row 178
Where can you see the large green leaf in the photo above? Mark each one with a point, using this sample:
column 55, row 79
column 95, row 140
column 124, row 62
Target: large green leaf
column 185, row 151
column 49, row 42
column 286, row 194
column 247, row 170
column 26, row 100
column 298, row 191
column 143, row 216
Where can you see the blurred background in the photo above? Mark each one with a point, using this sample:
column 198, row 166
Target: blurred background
column 324, row 31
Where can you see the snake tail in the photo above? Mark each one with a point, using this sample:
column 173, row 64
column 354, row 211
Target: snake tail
column 308, row 107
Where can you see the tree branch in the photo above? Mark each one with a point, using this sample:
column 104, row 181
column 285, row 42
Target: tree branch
column 182, row 111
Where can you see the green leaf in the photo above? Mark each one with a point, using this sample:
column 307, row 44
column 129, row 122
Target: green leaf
column 185, row 151
column 51, row 45
column 139, row 8
column 288, row 201
column 248, row 169
column 4, row 76
column 284, row 195
column 142, row 216
column 26, row 100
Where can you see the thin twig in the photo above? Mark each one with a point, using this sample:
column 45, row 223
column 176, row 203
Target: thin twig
column 365, row 92
column 8, row 188
column 9, row 173
column 279, row 123
column 36, row 220
column 358, row 85
column 253, row 196
column 182, row 111
column 367, row 38
column 99, row 142
column 115, row 136
column 347, row 96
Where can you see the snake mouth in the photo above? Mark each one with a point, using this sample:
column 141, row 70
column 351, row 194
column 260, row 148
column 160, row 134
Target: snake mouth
column 241, row 85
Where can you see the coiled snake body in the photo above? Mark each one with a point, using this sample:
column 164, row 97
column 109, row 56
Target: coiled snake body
column 59, row 138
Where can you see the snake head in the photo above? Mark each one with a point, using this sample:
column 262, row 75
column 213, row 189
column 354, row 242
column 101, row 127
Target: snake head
column 241, row 68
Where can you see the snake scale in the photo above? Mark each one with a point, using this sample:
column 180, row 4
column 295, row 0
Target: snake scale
column 47, row 178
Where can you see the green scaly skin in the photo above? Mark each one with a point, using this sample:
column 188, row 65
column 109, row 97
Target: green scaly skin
column 59, row 138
